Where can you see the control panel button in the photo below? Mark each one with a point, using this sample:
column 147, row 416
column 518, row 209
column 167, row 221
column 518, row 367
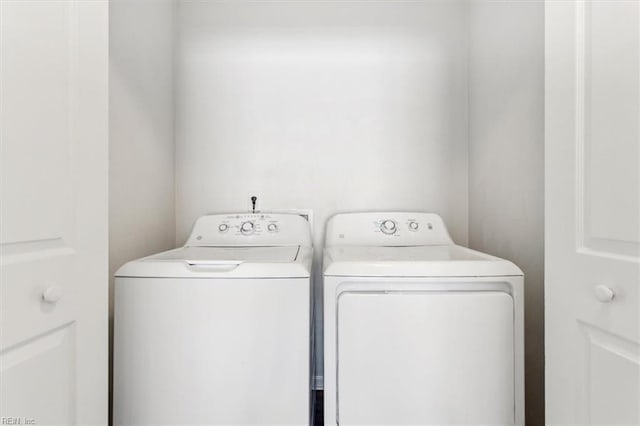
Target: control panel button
column 223, row 227
column 388, row 227
column 272, row 227
column 413, row 226
column 246, row 228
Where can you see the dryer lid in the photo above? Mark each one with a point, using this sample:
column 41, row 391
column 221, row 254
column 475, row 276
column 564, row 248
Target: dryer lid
column 414, row 261
column 223, row 262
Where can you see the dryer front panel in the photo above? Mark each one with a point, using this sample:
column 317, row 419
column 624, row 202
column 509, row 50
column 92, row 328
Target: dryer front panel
column 425, row 357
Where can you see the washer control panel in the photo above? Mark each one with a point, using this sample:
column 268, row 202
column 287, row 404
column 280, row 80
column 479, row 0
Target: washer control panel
column 249, row 229
column 387, row 229
column 248, row 224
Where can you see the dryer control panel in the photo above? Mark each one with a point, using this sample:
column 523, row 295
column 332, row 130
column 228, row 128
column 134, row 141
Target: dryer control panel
column 250, row 229
column 387, row 229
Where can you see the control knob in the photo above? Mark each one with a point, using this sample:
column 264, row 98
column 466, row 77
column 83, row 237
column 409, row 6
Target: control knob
column 388, row 227
column 413, row 226
column 272, row 227
column 246, row 228
column 223, row 227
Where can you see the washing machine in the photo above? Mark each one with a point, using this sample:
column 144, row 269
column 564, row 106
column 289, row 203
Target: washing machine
column 217, row 332
column 418, row 330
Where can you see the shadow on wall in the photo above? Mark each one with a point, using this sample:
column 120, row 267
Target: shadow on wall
column 506, row 159
column 141, row 143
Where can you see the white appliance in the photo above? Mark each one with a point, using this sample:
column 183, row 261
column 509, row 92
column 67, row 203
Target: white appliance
column 217, row 332
column 418, row 330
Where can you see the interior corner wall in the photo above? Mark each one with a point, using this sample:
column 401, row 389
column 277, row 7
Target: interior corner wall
column 506, row 158
column 141, row 142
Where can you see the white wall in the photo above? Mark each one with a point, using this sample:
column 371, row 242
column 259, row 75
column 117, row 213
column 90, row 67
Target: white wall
column 142, row 151
column 332, row 106
column 506, row 158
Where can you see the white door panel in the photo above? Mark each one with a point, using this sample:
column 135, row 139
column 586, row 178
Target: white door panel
column 45, row 366
column 412, row 358
column 593, row 212
column 37, row 73
column 612, row 366
column 53, row 211
column 607, row 113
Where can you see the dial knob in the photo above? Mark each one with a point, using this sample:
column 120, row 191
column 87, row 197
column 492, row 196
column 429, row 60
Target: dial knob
column 246, row 228
column 388, row 227
column 413, row 226
column 223, row 227
column 272, row 227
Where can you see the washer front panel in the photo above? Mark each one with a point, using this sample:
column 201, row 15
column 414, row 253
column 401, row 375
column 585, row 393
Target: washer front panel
column 203, row 351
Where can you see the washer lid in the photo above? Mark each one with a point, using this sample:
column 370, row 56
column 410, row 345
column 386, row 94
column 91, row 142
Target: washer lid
column 414, row 261
column 203, row 255
column 223, row 262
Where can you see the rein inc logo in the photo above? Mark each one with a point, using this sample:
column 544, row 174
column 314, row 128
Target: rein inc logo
column 17, row 421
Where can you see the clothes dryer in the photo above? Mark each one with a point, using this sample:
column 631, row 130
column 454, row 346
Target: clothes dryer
column 418, row 330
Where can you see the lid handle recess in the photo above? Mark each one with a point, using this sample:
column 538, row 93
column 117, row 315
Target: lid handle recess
column 213, row 265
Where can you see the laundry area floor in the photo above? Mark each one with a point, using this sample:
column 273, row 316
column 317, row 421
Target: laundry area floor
column 318, row 400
